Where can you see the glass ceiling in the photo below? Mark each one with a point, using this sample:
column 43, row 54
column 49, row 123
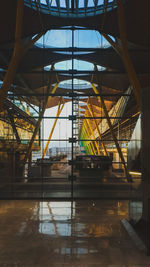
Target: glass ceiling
column 72, row 8
column 82, row 39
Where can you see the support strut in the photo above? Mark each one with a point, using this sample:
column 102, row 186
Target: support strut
column 40, row 118
column 85, row 128
column 122, row 50
column 18, row 53
column 112, row 132
column 90, row 108
column 59, row 110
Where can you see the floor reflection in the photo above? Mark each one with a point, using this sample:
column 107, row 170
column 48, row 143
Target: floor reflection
column 53, row 233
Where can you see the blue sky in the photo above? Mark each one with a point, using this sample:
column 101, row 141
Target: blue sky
column 82, row 38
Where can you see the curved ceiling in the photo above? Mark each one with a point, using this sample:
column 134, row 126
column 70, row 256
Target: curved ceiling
column 85, row 13
column 137, row 22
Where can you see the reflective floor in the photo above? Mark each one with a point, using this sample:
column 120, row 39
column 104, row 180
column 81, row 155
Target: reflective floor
column 82, row 233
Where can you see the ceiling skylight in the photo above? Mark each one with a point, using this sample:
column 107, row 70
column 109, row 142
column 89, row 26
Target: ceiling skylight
column 71, row 8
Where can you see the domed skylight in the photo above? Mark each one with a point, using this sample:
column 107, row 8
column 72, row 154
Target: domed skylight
column 72, row 8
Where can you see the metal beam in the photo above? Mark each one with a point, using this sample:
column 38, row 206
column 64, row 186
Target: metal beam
column 18, row 52
column 95, row 5
column 18, row 76
column 115, row 45
column 85, row 136
column 58, row 5
column 87, row 121
column 40, row 119
column 90, row 108
column 122, row 50
column 77, row 4
column 21, row 98
column 14, row 127
column 85, row 5
column 125, row 53
column 85, row 127
column 67, row 6
column 71, row 72
column 48, row 5
column 19, row 113
column 112, row 132
column 91, row 143
column 59, row 110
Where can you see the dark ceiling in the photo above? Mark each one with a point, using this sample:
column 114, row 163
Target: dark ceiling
column 31, row 77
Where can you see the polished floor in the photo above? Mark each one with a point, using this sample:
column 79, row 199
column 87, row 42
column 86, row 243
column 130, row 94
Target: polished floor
column 80, row 233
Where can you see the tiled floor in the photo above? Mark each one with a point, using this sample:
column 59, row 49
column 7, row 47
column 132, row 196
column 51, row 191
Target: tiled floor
column 82, row 233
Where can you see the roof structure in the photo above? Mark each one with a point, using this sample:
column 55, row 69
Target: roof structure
column 32, row 77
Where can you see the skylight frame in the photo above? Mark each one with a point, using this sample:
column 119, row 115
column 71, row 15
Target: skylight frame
column 57, row 10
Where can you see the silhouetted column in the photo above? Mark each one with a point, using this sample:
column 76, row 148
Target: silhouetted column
column 145, row 155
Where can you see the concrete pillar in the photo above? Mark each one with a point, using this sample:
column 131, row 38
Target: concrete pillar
column 145, row 155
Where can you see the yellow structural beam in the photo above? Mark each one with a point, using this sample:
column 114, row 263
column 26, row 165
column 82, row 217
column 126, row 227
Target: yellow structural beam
column 90, row 149
column 85, row 133
column 87, row 121
column 59, row 110
column 125, row 53
column 18, row 53
column 85, row 128
column 112, row 131
column 85, row 136
column 122, row 49
column 90, row 108
column 40, row 117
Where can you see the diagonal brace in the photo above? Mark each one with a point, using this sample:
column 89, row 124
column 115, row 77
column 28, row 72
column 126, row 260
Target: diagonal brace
column 112, row 131
column 59, row 110
column 90, row 108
